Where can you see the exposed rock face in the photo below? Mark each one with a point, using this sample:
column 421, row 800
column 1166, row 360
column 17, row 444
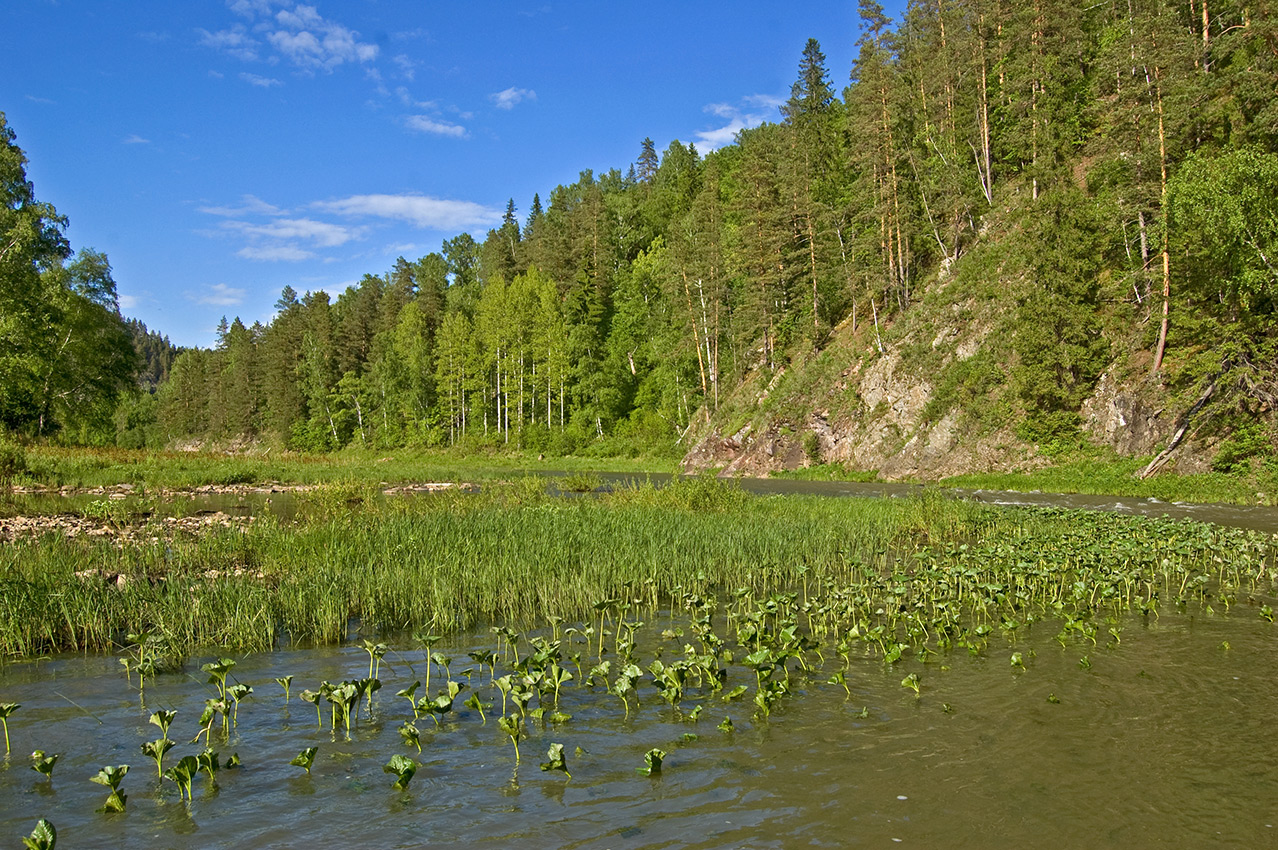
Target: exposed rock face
column 1124, row 420
column 889, row 434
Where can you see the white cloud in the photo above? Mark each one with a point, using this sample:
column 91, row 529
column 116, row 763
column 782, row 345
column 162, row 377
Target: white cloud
column 426, row 124
column 754, row 110
column 275, row 253
column 320, row 233
column 235, row 41
column 35, row 99
column 763, row 101
column 128, row 302
column 250, row 205
column 297, row 32
column 220, row 295
column 419, row 210
column 135, row 139
column 310, row 41
column 406, row 98
column 407, row 67
column 509, row 98
column 260, row 82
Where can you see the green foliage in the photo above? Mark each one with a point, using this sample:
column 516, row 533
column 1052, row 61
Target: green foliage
column 43, row 837
column 1247, row 441
column 13, row 459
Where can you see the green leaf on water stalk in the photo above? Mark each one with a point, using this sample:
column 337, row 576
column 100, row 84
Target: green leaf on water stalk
column 725, row 725
column 163, row 719
column 473, row 701
column 284, row 682
column 43, row 764
column 182, row 773
column 736, row 692
column 1085, row 663
column 43, row 837
column 1017, row 660
column 652, row 761
column 208, row 762
column 864, row 713
column 555, row 760
column 513, row 727
column 314, row 697
column 305, row 758
column 111, row 777
column 156, row 750
column 1053, row 699
column 403, row 767
column 233, row 762
column 6, row 709
column 912, row 682
column 411, row 734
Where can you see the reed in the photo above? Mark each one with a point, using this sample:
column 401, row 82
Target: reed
column 514, row 555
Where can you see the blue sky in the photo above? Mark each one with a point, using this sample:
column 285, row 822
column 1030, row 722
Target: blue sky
column 218, row 150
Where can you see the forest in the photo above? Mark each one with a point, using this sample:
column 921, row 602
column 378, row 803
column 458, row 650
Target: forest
column 1105, row 174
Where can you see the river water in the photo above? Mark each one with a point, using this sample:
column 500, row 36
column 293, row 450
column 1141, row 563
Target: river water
column 1163, row 741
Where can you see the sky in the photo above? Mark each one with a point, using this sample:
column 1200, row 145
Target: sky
column 219, row 150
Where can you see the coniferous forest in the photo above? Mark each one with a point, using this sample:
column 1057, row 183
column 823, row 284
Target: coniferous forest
column 1100, row 178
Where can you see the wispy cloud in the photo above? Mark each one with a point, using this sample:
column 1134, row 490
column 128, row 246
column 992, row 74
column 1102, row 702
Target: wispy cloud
column 406, row 65
column 753, row 110
column 320, row 233
column 235, row 41
column 220, row 295
column 135, row 139
column 154, row 37
column 419, row 210
column 275, row 253
column 426, row 124
column 511, row 97
column 128, row 302
column 260, row 82
column 35, row 99
column 406, row 98
column 249, row 205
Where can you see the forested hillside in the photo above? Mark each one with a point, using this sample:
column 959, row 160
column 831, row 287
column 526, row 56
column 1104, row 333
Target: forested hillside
column 1016, row 202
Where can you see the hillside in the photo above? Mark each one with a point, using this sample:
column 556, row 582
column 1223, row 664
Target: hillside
column 1022, row 229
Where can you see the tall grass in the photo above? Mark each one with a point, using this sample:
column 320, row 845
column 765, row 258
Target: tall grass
column 153, row 470
column 516, row 555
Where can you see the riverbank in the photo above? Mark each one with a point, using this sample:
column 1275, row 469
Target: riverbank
column 1095, row 477
column 119, row 473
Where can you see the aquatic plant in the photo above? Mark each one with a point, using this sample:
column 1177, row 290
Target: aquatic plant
column 403, row 767
column 513, row 726
column 285, row 682
column 912, row 682
column 410, row 693
column 6, row 710
column 313, row 697
column 305, row 759
column 555, row 760
column 157, row 749
column 43, row 837
column 237, row 693
column 182, row 774
column 473, row 701
column 42, row 763
column 111, row 778
column 411, row 734
column 652, row 761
